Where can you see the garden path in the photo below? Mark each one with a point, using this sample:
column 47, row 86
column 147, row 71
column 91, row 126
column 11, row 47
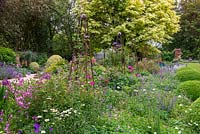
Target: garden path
column 27, row 78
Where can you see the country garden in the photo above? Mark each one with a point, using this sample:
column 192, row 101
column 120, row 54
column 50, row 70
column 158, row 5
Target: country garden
column 99, row 67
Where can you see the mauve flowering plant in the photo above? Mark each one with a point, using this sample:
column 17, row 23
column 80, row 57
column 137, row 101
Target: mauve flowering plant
column 7, row 72
column 18, row 95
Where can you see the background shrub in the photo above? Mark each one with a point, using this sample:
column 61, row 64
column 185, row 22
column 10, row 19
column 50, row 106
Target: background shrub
column 41, row 58
column 34, row 66
column 56, row 67
column 167, row 56
column 148, row 65
column 7, row 55
column 54, row 59
column 186, row 75
column 190, row 88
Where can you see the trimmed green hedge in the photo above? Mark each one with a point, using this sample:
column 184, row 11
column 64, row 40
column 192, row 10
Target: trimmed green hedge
column 34, row 66
column 190, row 89
column 193, row 115
column 186, row 75
column 7, row 55
column 54, row 59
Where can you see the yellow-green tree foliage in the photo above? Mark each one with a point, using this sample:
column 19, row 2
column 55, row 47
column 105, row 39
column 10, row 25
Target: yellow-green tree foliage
column 141, row 21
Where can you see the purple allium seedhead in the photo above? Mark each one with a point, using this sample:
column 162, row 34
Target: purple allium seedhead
column 83, row 16
column 119, row 34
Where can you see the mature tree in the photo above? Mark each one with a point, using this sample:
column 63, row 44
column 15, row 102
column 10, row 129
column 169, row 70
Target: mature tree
column 37, row 25
column 140, row 21
column 188, row 38
column 24, row 24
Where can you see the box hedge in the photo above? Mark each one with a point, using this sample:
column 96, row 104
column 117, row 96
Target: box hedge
column 186, row 75
column 190, row 89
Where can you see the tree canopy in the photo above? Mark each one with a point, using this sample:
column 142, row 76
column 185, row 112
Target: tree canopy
column 51, row 25
column 141, row 21
column 188, row 38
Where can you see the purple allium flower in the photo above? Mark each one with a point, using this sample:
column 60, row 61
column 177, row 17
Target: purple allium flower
column 5, row 82
column 36, row 127
column 20, row 132
column 1, row 64
column 115, row 43
column 50, row 129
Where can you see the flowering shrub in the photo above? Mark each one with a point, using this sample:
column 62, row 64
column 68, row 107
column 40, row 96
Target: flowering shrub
column 10, row 71
column 7, row 72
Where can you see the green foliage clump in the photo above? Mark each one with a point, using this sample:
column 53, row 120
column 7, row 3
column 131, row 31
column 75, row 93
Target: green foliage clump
column 41, row 58
column 167, row 56
column 7, row 55
column 65, row 108
column 186, row 75
column 193, row 115
column 60, row 46
column 56, row 67
column 54, row 59
column 34, row 66
column 190, row 88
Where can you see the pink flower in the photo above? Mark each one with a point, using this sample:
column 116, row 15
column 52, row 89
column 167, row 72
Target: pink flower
column 93, row 60
column 131, row 69
column 137, row 75
column 89, row 76
column 92, row 83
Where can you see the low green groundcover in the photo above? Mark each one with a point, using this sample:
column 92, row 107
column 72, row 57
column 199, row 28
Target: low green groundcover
column 193, row 115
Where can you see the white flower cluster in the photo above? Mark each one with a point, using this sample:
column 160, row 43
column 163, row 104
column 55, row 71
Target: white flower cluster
column 68, row 112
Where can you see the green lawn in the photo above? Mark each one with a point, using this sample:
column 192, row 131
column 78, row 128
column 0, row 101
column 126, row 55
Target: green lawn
column 194, row 66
